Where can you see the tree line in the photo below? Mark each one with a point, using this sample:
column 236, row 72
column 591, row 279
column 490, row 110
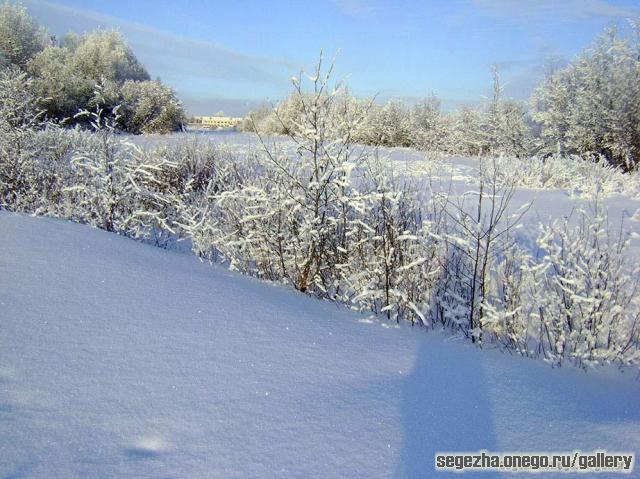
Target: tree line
column 589, row 108
column 82, row 72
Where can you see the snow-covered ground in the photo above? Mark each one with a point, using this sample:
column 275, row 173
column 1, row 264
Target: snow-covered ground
column 118, row 359
column 454, row 175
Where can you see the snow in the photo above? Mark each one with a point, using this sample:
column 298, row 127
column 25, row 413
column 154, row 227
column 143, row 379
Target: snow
column 454, row 175
column 118, row 359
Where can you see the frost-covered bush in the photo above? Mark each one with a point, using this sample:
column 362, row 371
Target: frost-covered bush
column 575, row 300
column 121, row 187
column 465, row 134
column 334, row 220
column 100, row 191
column 284, row 225
column 260, row 120
column 577, row 175
column 587, row 293
column 510, row 308
column 46, row 170
column 389, row 125
column 428, row 125
column 482, row 227
column 376, row 243
column 390, row 257
column 19, row 114
column 150, row 107
column 177, row 189
column 19, row 120
column 35, row 156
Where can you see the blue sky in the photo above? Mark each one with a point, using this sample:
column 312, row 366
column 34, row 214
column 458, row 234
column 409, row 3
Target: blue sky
column 231, row 55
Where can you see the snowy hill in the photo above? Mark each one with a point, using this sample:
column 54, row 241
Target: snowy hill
column 118, row 359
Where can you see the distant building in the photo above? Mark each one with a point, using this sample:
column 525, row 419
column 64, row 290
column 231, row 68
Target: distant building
column 214, row 122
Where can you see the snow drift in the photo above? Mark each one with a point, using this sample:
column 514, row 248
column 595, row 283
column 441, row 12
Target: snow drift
column 118, row 359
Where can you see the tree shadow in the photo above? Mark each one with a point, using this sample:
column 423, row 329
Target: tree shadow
column 20, row 471
column 445, row 407
column 135, row 453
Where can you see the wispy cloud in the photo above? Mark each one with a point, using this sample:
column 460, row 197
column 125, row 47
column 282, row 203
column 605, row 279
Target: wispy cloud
column 558, row 10
column 360, row 9
column 194, row 68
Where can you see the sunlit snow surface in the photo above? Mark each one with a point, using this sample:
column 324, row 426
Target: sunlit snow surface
column 118, row 359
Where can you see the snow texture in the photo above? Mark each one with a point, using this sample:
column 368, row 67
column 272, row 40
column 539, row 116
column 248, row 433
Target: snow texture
column 118, row 359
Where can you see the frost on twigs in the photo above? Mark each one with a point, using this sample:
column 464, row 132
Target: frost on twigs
column 341, row 222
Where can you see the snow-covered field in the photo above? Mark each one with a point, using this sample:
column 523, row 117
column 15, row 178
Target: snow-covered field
column 456, row 172
column 456, row 176
column 118, row 359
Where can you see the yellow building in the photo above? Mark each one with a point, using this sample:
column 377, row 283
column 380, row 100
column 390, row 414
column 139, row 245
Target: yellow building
column 213, row 122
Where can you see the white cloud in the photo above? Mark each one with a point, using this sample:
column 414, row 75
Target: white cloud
column 559, row 10
column 375, row 11
column 353, row 8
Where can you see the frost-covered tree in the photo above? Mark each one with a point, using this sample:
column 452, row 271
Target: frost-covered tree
column 66, row 76
column 289, row 222
column 315, row 181
column 349, row 115
column 150, row 107
column 593, row 105
column 62, row 89
column 104, row 54
column 505, row 127
column 552, row 108
column 493, row 114
column 428, row 127
column 516, row 129
column 390, row 125
column 465, row 133
column 20, row 36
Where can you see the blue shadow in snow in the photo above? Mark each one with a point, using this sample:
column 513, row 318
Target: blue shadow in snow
column 445, row 408
column 135, row 453
column 20, row 472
